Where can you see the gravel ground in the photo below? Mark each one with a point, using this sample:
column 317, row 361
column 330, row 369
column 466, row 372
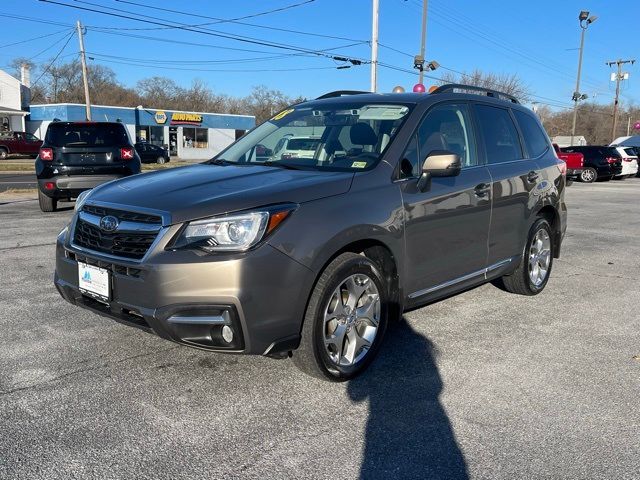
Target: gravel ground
column 481, row 385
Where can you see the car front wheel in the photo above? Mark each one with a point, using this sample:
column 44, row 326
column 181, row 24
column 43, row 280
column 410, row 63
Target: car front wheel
column 345, row 320
column 160, row 160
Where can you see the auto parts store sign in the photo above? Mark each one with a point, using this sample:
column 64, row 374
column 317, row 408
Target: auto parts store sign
column 186, row 119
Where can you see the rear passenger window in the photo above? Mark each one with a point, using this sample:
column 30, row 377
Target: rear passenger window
column 499, row 134
column 534, row 138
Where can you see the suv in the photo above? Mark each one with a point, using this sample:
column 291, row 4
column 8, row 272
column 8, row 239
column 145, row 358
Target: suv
column 600, row 162
column 409, row 198
column 18, row 143
column 77, row 156
column 150, row 153
column 295, row 147
column 629, row 162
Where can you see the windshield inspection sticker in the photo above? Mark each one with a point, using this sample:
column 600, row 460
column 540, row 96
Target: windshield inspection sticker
column 282, row 114
column 358, row 164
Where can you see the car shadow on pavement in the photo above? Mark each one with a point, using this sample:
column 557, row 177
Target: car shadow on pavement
column 408, row 432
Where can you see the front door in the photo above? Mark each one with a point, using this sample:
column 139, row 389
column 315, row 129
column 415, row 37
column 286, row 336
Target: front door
column 446, row 224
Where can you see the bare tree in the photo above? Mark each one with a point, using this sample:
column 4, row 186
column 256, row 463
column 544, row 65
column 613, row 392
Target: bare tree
column 510, row 84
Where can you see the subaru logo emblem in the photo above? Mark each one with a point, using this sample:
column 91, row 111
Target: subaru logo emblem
column 109, row 223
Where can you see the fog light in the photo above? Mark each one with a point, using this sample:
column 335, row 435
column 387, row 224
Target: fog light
column 227, row 334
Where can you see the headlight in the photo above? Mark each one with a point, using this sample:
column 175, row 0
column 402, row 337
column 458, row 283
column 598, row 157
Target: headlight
column 238, row 232
column 82, row 198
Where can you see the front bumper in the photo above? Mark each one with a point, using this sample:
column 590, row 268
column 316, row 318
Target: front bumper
column 187, row 297
column 574, row 172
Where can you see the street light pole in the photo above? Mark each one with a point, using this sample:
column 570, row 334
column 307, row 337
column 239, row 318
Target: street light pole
column 374, row 46
column 585, row 21
column 85, row 80
column 425, row 4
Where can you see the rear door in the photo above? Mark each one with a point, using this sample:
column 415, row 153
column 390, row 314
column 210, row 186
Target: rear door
column 32, row 144
column 513, row 176
column 447, row 225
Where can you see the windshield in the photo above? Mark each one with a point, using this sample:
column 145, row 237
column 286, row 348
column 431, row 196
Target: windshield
column 86, row 134
column 348, row 136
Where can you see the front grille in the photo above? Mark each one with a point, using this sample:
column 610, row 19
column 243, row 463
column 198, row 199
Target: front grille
column 122, row 215
column 132, row 243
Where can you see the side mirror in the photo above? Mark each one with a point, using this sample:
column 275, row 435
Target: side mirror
column 439, row 163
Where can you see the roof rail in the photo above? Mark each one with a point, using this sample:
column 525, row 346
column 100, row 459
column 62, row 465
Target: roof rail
column 340, row 93
column 451, row 87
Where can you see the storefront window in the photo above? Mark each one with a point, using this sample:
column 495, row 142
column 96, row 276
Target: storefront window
column 195, row 137
column 152, row 135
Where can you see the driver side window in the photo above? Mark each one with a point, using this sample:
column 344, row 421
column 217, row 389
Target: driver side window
column 445, row 127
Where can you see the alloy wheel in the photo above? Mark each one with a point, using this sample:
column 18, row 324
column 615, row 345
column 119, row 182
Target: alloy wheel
column 351, row 320
column 539, row 257
column 587, row 176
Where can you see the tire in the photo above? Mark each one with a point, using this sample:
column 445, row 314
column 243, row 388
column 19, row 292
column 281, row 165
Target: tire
column 161, row 160
column 621, row 177
column 588, row 175
column 520, row 281
column 3, row 153
column 47, row 204
column 318, row 354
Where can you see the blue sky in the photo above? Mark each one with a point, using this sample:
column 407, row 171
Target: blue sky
column 537, row 40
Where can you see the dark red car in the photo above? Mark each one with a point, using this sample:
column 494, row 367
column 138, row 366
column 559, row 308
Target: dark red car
column 19, row 143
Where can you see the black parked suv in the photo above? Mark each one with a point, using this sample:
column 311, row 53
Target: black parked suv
column 601, row 162
column 78, row 156
column 407, row 198
column 150, row 153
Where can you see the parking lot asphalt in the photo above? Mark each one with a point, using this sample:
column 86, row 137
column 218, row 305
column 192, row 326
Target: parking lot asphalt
column 482, row 385
column 10, row 181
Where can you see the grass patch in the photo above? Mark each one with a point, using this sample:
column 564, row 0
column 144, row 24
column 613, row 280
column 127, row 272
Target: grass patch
column 20, row 191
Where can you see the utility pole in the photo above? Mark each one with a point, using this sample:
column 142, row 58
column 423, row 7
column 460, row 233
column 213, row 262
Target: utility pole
column 629, row 125
column 85, row 79
column 585, row 21
column 374, row 46
column 425, row 4
column 619, row 76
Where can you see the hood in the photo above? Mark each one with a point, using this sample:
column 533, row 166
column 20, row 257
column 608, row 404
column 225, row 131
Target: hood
column 189, row 193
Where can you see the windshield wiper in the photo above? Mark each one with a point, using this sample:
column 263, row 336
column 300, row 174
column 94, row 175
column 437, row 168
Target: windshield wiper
column 279, row 164
column 220, row 161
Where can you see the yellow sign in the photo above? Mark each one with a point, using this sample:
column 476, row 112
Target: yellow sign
column 188, row 118
column 160, row 117
column 283, row 114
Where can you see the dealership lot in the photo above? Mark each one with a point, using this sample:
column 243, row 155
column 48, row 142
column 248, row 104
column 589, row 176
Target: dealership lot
column 484, row 384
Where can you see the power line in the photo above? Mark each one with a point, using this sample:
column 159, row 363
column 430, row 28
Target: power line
column 36, row 20
column 236, row 21
column 54, row 60
column 155, row 21
column 298, row 69
column 34, row 38
column 48, row 48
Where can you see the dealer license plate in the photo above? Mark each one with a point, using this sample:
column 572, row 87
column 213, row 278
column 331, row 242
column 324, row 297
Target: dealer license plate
column 93, row 281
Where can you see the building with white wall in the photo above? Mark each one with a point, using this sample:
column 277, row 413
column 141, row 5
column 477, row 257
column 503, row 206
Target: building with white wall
column 187, row 135
column 13, row 98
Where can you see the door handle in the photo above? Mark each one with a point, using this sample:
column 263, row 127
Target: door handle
column 532, row 176
column 482, row 189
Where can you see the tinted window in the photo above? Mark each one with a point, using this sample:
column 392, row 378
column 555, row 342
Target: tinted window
column 89, row 134
column 534, row 138
column 630, row 151
column 500, row 136
column 446, row 127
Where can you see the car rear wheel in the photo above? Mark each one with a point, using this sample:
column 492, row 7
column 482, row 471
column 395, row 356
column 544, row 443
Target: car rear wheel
column 3, row 153
column 47, row 204
column 532, row 274
column 161, row 160
column 588, row 175
column 345, row 320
